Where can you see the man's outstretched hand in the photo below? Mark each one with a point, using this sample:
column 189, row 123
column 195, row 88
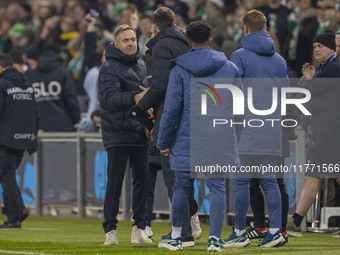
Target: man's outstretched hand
column 140, row 95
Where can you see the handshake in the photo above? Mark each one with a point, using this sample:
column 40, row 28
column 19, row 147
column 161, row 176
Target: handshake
column 138, row 113
column 135, row 111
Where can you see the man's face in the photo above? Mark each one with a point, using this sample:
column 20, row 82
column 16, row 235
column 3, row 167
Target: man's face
column 145, row 26
column 304, row 5
column 337, row 42
column 322, row 53
column 127, row 42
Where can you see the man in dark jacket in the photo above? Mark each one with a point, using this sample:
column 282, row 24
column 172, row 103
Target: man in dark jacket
column 168, row 43
column 55, row 92
column 324, row 122
column 120, row 79
column 259, row 145
column 18, row 129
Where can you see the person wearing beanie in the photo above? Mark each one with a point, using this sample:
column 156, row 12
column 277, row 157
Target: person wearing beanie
column 324, row 122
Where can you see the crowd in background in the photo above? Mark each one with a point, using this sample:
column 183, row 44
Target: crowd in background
column 78, row 31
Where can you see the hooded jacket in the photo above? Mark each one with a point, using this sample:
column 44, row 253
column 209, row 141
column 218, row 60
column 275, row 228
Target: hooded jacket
column 119, row 80
column 18, row 115
column 263, row 70
column 165, row 46
column 55, row 94
column 175, row 127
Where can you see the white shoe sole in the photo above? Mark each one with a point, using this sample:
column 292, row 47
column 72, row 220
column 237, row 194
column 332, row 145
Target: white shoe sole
column 243, row 244
column 295, row 234
column 215, row 249
column 273, row 243
column 110, row 243
column 141, row 242
column 170, row 247
column 188, row 244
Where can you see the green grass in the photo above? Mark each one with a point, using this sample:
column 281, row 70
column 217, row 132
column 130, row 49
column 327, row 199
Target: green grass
column 49, row 235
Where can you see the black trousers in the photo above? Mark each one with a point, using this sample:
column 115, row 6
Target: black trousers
column 169, row 180
column 257, row 201
column 9, row 161
column 117, row 160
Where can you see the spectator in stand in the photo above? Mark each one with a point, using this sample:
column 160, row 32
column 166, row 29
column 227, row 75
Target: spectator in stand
column 130, row 17
column 94, row 48
column 277, row 19
column 235, row 32
column 145, row 27
column 337, row 42
column 12, row 12
column 181, row 14
column 54, row 92
column 303, row 30
column 327, row 16
column 219, row 27
column 5, row 42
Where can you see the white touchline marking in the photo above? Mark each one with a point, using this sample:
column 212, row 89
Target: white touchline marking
column 26, row 253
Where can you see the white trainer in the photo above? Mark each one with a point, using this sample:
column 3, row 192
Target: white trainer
column 149, row 233
column 196, row 226
column 111, row 237
column 138, row 236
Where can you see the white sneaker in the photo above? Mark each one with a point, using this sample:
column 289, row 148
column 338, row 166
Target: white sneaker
column 149, row 233
column 138, row 236
column 196, row 226
column 111, row 237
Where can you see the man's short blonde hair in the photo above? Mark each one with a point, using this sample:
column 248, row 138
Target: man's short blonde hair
column 120, row 29
column 255, row 21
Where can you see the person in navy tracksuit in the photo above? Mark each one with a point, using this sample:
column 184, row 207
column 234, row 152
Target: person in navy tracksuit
column 257, row 58
column 174, row 134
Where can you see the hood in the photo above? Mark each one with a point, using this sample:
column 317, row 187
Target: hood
column 48, row 60
column 171, row 32
column 112, row 52
column 201, row 61
column 15, row 77
column 259, row 42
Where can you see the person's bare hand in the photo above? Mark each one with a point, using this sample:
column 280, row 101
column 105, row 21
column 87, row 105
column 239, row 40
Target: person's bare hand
column 150, row 112
column 165, row 152
column 140, row 95
column 308, row 71
column 338, row 181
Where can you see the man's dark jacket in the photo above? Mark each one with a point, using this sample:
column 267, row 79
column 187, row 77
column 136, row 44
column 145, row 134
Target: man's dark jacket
column 119, row 80
column 165, row 46
column 55, row 94
column 18, row 115
column 325, row 104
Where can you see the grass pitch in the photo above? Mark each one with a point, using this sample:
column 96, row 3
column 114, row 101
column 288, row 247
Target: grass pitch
column 49, row 235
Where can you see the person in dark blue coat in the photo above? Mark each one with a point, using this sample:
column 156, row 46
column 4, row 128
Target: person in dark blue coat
column 323, row 84
column 174, row 134
column 259, row 146
column 120, row 78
